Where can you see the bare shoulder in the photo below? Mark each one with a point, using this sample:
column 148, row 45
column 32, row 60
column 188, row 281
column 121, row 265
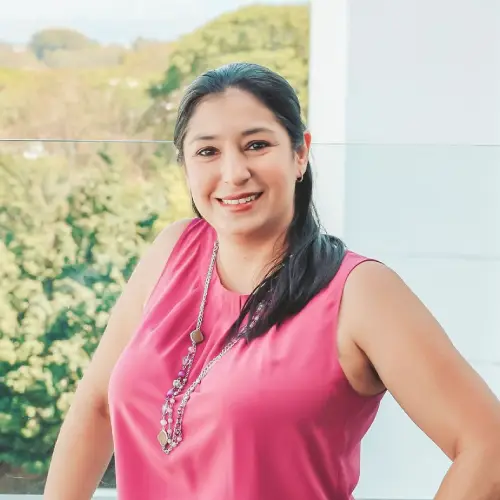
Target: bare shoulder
column 417, row 362
column 376, row 294
column 370, row 275
column 170, row 234
column 154, row 259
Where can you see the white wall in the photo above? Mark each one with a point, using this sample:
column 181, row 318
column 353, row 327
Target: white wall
column 420, row 86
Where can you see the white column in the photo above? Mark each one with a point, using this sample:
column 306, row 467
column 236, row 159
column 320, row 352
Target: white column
column 423, row 88
column 327, row 108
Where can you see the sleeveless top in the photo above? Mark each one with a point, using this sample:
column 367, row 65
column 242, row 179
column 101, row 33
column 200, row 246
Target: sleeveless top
column 274, row 418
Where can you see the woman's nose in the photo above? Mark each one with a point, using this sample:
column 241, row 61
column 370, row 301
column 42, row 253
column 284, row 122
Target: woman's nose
column 234, row 168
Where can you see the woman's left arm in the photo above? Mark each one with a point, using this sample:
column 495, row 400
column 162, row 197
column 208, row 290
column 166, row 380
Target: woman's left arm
column 427, row 376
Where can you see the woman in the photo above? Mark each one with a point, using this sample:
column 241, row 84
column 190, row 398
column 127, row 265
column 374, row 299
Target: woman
column 234, row 371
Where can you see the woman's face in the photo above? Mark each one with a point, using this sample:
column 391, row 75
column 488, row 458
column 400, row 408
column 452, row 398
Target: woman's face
column 240, row 165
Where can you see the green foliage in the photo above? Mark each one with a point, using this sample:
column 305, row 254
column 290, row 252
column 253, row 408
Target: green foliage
column 274, row 36
column 68, row 242
column 171, row 83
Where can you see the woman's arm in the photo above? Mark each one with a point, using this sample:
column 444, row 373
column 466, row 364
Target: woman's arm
column 427, row 376
column 84, row 446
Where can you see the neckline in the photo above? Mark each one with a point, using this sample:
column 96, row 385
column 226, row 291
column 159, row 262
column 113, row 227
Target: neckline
column 230, row 294
column 236, row 298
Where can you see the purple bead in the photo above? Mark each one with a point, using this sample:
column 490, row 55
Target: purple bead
column 182, row 374
column 170, row 393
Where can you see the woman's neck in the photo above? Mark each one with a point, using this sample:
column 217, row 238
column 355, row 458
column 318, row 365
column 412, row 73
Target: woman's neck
column 242, row 265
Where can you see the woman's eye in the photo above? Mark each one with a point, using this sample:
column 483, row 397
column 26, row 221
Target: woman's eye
column 255, row 146
column 206, row 152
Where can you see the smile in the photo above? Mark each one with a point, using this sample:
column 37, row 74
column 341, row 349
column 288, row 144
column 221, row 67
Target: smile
column 240, row 201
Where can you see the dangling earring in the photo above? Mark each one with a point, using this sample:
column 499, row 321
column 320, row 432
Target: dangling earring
column 301, row 178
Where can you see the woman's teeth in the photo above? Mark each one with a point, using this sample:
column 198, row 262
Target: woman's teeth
column 240, row 200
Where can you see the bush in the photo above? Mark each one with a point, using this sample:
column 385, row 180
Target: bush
column 68, row 243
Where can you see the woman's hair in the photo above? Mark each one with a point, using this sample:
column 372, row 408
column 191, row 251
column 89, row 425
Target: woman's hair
column 311, row 258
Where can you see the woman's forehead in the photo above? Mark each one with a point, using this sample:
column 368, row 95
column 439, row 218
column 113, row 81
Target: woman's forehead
column 234, row 111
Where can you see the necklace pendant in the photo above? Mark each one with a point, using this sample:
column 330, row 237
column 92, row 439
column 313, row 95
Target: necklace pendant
column 162, row 438
column 197, row 336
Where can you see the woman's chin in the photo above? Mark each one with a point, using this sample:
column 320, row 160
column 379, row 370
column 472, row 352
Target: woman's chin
column 240, row 226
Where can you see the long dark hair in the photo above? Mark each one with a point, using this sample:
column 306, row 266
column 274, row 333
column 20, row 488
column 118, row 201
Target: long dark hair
column 311, row 258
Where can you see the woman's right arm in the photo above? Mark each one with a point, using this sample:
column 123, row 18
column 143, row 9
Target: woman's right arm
column 84, row 447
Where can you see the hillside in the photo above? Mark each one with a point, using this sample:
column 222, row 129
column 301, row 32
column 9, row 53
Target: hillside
column 63, row 85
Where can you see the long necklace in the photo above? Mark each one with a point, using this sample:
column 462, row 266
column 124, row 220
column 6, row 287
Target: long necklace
column 170, row 435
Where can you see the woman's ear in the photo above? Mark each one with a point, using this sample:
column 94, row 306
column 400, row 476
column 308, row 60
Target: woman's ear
column 307, row 139
column 303, row 153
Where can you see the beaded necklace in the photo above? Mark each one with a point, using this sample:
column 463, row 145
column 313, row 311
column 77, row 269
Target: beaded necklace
column 170, row 435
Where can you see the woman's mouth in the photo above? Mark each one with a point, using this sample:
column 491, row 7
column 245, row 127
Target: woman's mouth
column 239, row 203
column 239, row 199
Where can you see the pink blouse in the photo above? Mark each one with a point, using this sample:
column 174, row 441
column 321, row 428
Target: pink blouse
column 273, row 419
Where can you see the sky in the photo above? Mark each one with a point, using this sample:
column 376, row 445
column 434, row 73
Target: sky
column 114, row 21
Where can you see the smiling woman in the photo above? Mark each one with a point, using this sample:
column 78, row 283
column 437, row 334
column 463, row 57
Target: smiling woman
column 248, row 159
column 249, row 353
column 256, row 150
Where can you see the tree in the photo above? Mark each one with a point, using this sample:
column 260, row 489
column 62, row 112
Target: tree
column 49, row 40
column 68, row 242
column 275, row 36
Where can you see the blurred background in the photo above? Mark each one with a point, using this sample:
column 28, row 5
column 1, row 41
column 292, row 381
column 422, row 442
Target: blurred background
column 403, row 101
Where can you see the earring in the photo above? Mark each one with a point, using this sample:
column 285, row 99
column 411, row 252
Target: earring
column 301, row 178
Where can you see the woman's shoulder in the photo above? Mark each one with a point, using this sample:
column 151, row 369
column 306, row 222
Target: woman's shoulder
column 350, row 265
column 177, row 236
column 154, row 260
column 165, row 243
column 175, row 246
column 171, row 233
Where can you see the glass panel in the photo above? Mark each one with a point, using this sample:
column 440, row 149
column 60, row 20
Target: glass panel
column 74, row 217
